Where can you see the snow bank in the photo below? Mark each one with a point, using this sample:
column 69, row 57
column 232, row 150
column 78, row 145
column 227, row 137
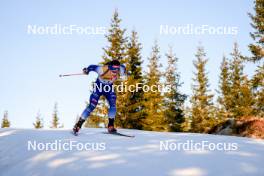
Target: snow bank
column 122, row 156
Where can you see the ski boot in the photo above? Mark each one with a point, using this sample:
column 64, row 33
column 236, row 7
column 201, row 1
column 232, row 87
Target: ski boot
column 78, row 126
column 110, row 127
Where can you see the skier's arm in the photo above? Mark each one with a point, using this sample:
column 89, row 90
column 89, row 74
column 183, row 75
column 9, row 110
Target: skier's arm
column 87, row 70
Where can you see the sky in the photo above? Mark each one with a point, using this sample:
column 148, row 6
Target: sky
column 30, row 63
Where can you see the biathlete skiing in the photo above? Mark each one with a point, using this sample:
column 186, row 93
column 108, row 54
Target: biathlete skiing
column 107, row 75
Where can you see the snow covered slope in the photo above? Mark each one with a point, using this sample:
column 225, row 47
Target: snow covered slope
column 145, row 154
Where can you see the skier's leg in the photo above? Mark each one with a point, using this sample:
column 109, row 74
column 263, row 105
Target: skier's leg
column 92, row 104
column 111, row 98
column 78, row 125
column 94, row 98
column 87, row 111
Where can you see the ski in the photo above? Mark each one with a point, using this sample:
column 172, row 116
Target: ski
column 75, row 134
column 120, row 134
column 116, row 133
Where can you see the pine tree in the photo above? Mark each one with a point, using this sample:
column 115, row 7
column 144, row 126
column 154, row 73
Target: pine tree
column 39, row 122
column 116, row 51
column 93, row 121
column 247, row 99
column 154, row 119
column 173, row 99
column 240, row 92
column 187, row 125
column 5, row 121
column 257, row 49
column 258, row 91
column 132, row 106
column 117, row 41
column 224, row 98
column 201, row 100
column 55, row 119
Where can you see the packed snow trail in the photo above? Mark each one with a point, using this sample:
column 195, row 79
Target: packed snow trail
column 124, row 156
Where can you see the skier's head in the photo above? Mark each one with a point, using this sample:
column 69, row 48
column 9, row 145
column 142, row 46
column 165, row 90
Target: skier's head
column 114, row 65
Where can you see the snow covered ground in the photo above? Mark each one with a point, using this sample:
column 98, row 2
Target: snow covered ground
column 106, row 154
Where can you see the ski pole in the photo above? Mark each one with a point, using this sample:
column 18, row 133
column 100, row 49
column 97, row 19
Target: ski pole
column 74, row 74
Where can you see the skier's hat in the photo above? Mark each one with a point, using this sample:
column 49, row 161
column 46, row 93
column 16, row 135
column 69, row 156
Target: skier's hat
column 114, row 65
column 113, row 62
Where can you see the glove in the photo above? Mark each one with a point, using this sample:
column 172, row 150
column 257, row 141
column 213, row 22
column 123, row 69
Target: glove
column 86, row 71
column 128, row 73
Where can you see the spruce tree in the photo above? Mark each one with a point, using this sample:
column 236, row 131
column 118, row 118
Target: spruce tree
column 39, row 122
column 154, row 119
column 93, row 121
column 5, row 121
column 258, row 91
column 224, row 98
column 132, row 114
column 257, row 48
column 116, row 50
column 173, row 99
column 187, row 125
column 240, row 92
column 201, row 100
column 117, row 41
column 55, row 119
column 247, row 99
